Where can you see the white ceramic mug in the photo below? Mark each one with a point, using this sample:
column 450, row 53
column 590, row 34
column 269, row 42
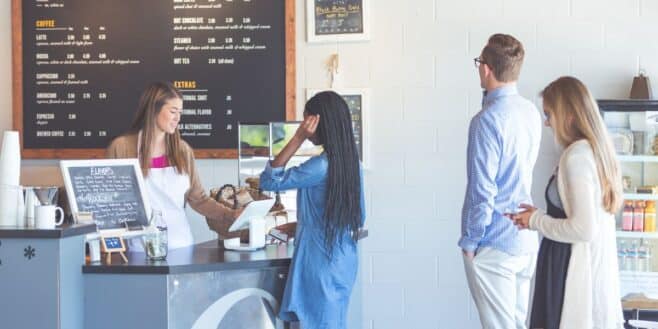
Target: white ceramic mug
column 45, row 216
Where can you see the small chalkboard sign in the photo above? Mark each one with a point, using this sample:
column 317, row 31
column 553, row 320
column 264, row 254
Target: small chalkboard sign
column 113, row 244
column 110, row 244
column 111, row 190
column 337, row 20
column 357, row 101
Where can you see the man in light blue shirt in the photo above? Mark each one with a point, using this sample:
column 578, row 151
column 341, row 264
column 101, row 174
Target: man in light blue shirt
column 503, row 143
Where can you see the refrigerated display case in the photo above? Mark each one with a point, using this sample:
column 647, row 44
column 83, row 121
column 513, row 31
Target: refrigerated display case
column 633, row 128
column 261, row 142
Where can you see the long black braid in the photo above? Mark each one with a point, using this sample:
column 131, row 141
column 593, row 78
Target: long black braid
column 343, row 197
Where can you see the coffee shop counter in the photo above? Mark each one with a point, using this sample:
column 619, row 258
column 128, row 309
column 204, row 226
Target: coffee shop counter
column 204, row 286
column 41, row 276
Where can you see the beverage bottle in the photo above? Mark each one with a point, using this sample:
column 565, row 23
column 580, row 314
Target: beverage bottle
column 627, row 216
column 642, row 257
column 155, row 238
column 638, row 216
column 649, row 265
column 631, row 257
column 650, row 217
column 621, row 255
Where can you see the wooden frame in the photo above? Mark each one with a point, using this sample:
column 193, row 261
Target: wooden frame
column 17, row 91
column 109, row 250
column 337, row 37
column 365, row 115
column 73, row 203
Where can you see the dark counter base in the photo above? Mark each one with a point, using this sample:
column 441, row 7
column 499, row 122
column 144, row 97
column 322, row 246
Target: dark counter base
column 204, row 257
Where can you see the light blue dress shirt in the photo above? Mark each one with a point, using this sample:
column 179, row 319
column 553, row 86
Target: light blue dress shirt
column 318, row 289
column 503, row 143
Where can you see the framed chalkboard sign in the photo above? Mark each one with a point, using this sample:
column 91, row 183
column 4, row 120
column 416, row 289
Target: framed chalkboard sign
column 357, row 101
column 79, row 67
column 111, row 190
column 337, row 20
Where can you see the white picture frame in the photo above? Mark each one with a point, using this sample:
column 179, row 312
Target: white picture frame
column 65, row 165
column 316, row 33
column 363, row 95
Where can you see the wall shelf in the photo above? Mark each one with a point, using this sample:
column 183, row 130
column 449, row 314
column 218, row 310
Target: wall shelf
column 640, row 196
column 637, row 235
column 637, row 158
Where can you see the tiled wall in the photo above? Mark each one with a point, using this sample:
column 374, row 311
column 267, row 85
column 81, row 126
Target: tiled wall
column 423, row 91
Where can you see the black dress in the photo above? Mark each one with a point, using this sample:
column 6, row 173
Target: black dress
column 551, row 274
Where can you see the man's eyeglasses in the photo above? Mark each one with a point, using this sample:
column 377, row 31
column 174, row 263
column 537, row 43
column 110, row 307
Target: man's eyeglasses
column 477, row 61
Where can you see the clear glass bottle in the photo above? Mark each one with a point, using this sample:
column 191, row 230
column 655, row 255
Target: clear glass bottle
column 631, row 257
column 642, row 257
column 649, row 264
column 155, row 238
column 621, row 255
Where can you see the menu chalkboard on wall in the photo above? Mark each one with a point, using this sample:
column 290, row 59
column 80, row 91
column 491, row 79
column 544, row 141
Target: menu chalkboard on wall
column 111, row 190
column 338, row 16
column 81, row 65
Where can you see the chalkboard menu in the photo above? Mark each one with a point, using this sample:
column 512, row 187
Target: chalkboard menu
column 84, row 64
column 111, row 190
column 356, row 100
column 355, row 104
column 338, row 16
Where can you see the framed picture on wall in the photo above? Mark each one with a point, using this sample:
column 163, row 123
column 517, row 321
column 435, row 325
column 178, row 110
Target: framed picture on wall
column 337, row 20
column 357, row 102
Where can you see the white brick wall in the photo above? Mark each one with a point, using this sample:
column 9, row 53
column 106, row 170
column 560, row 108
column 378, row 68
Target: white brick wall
column 424, row 90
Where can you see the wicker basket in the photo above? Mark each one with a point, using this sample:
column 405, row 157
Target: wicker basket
column 235, row 198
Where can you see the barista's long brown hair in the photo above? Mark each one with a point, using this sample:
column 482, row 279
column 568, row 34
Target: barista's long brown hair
column 151, row 102
column 575, row 116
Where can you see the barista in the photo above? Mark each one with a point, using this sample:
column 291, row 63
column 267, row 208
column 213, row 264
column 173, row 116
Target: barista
column 167, row 162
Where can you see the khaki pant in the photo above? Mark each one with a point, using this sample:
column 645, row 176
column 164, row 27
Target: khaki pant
column 500, row 286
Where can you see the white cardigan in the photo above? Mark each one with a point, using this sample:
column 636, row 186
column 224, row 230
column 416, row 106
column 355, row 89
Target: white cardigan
column 591, row 297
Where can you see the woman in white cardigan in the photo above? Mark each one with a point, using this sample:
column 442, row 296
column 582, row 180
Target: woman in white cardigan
column 589, row 193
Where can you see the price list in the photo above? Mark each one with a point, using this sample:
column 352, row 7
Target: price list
column 86, row 62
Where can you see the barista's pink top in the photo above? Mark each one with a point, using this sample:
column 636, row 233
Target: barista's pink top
column 160, row 162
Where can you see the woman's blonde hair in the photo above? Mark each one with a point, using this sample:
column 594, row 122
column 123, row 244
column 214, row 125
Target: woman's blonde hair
column 156, row 95
column 576, row 116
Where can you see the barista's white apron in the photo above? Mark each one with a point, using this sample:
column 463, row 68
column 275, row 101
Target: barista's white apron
column 166, row 192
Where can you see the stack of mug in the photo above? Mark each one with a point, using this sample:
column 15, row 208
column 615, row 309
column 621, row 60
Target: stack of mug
column 11, row 200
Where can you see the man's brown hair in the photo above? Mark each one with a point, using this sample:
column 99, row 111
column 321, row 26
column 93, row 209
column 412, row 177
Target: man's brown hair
column 504, row 56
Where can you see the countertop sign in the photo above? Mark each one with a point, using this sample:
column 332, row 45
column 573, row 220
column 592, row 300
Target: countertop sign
column 111, row 193
column 84, row 64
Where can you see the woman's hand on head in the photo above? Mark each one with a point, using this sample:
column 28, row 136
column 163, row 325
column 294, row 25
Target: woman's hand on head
column 308, row 127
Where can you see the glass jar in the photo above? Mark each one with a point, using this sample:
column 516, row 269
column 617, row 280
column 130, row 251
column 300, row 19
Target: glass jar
column 155, row 238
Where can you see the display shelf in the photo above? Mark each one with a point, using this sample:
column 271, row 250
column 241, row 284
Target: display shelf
column 640, row 196
column 637, row 158
column 637, row 235
column 644, row 274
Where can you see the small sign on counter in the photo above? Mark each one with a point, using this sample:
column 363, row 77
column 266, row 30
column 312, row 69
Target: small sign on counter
column 111, row 190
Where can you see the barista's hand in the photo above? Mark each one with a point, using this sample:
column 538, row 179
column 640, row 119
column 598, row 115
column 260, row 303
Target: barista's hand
column 236, row 213
column 308, row 127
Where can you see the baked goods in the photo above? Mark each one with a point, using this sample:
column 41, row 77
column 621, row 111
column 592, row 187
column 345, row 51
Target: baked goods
column 622, row 139
column 253, row 182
